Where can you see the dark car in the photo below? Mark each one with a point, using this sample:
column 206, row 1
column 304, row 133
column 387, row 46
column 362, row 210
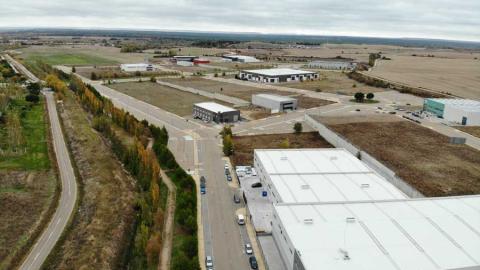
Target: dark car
column 229, row 177
column 253, row 262
column 256, row 185
column 236, row 198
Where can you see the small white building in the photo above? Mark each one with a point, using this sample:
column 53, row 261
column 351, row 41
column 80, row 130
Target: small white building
column 276, row 75
column 275, row 103
column 241, row 58
column 136, row 67
column 333, row 65
column 459, row 111
column 427, row 234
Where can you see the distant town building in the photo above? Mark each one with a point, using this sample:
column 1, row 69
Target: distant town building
column 276, row 75
column 460, row 111
column 241, row 58
column 275, row 103
column 211, row 111
column 187, row 58
column 333, row 65
column 136, row 67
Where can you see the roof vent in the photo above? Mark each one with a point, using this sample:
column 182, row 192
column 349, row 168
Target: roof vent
column 305, row 186
column 345, row 255
column 308, row 221
column 283, row 158
column 333, row 158
column 350, row 220
column 365, row 185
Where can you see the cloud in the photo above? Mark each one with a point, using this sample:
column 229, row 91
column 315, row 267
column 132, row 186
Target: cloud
column 402, row 18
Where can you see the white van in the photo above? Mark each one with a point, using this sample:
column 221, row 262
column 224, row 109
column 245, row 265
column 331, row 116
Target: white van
column 240, row 219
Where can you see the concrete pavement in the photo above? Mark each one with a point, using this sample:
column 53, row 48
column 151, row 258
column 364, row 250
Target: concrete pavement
column 68, row 196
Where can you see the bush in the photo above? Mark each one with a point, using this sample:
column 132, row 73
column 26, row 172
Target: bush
column 93, row 76
column 370, row 96
column 298, row 127
column 359, row 96
column 32, row 98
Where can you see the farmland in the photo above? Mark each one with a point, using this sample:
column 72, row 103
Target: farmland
column 423, row 158
column 458, row 76
column 169, row 99
column 244, row 145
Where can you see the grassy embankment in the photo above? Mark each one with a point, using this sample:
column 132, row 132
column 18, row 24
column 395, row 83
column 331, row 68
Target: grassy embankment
column 28, row 183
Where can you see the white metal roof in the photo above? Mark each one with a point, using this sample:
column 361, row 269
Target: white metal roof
column 278, row 71
column 433, row 233
column 276, row 97
column 333, row 187
column 215, row 107
column 135, row 65
column 464, row 104
column 309, row 161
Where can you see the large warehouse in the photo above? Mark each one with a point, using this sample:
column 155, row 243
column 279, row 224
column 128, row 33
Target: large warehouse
column 136, row 67
column 459, row 111
column 276, row 75
column 429, row 233
column 241, row 58
column 211, row 111
column 275, row 103
column 319, row 175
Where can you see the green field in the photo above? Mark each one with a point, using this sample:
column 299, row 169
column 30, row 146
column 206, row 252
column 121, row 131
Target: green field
column 35, row 136
column 62, row 58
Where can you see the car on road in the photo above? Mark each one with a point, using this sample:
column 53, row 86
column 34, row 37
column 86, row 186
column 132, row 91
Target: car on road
column 256, row 185
column 203, row 185
column 209, row 262
column 229, row 177
column 236, row 198
column 248, row 249
column 240, row 219
column 253, row 262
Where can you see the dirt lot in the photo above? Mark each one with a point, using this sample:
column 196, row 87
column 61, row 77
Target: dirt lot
column 105, row 216
column 84, row 54
column 475, row 131
column 334, row 82
column 169, row 99
column 420, row 156
column 24, row 198
column 244, row 145
column 242, row 91
column 458, row 76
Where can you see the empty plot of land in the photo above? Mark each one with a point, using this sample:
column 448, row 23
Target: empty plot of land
column 169, row 99
column 459, row 77
column 334, row 82
column 422, row 157
column 242, row 91
column 472, row 130
column 244, row 145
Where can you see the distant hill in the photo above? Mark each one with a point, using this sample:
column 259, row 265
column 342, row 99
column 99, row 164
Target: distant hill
column 246, row 37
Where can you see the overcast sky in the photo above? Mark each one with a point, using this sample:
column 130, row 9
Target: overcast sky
column 446, row 19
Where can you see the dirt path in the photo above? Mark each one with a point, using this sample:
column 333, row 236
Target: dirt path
column 167, row 234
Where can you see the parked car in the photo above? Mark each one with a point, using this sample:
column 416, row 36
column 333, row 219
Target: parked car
column 236, row 198
column 229, row 177
column 209, row 261
column 240, row 219
column 256, row 185
column 253, row 262
column 248, row 249
column 203, row 185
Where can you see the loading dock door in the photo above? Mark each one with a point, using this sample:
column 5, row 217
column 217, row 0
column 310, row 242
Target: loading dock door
column 464, row 120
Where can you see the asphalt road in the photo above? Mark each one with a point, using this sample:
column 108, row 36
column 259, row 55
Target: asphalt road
column 21, row 68
column 68, row 196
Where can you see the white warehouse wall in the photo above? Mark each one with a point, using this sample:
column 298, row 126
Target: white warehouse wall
column 455, row 114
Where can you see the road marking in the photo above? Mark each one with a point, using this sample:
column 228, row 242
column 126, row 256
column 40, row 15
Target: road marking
column 36, row 256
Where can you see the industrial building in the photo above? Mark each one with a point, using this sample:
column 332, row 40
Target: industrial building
column 211, row 111
column 276, row 75
column 319, row 175
column 333, row 65
column 187, row 58
column 240, row 58
column 136, row 67
column 275, row 103
column 459, row 111
column 427, row 233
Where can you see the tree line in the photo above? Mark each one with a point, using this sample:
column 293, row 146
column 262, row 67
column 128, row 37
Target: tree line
column 144, row 164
